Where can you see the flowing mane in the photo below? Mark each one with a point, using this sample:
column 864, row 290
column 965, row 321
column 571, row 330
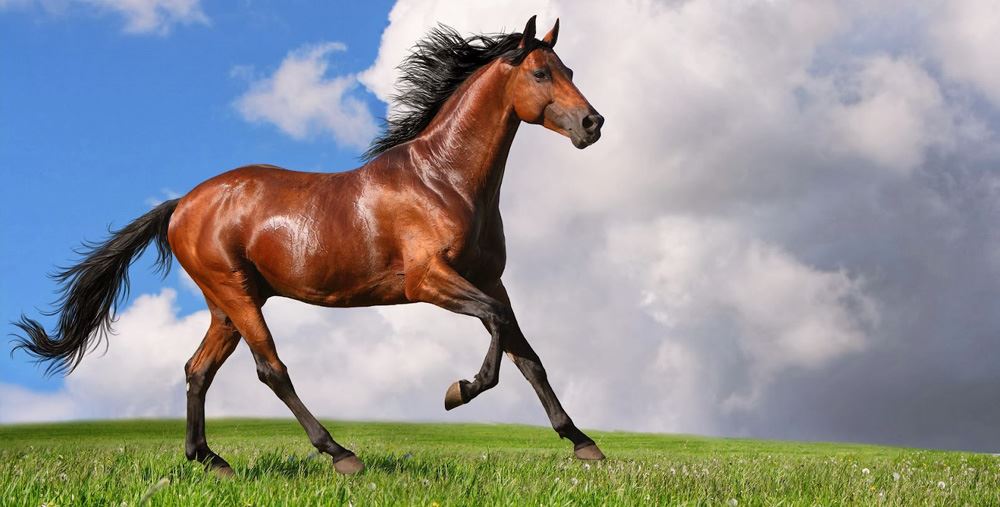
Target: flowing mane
column 435, row 67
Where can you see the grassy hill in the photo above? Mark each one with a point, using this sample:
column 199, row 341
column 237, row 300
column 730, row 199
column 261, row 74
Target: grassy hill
column 132, row 462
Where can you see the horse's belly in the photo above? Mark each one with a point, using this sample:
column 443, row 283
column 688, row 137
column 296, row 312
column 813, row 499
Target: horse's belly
column 297, row 263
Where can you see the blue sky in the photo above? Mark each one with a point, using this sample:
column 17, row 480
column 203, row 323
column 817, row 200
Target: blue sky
column 95, row 122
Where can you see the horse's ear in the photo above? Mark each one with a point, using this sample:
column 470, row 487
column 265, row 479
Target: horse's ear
column 550, row 38
column 529, row 33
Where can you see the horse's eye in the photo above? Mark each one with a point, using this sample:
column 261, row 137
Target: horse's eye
column 539, row 74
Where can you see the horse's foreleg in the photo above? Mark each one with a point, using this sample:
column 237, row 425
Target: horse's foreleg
column 219, row 343
column 247, row 317
column 517, row 347
column 440, row 285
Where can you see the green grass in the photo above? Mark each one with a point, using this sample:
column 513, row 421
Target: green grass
column 129, row 462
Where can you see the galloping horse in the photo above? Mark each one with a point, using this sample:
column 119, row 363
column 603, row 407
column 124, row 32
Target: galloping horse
column 419, row 222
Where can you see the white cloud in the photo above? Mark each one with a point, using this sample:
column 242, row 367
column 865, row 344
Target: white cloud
column 889, row 111
column 696, row 277
column 18, row 404
column 154, row 16
column 301, row 100
column 964, row 35
column 141, row 16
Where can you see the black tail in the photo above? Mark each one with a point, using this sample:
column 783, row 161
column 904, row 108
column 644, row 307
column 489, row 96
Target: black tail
column 92, row 290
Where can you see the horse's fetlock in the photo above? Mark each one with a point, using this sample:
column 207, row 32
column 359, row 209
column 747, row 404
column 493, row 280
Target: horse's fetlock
column 196, row 452
column 564, row 426
column 490, row 380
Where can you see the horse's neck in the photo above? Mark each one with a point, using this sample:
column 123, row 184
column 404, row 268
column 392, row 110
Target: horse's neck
column 470, row 137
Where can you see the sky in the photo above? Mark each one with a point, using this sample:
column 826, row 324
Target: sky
column 786, row 231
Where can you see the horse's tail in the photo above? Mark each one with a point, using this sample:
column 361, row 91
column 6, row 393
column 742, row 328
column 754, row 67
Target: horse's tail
column 91, row 291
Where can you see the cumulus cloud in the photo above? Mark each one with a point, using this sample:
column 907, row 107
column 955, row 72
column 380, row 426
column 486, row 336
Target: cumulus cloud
column 154, row 16
column 698, row 277
column 963, row 36
column 787, row 230
column 141, row 16
column 302, row 101
column 889, row 111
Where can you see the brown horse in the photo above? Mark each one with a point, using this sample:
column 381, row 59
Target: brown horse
column 419, row 222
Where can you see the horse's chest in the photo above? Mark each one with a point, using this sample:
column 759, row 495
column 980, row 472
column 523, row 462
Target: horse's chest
column 480, row 253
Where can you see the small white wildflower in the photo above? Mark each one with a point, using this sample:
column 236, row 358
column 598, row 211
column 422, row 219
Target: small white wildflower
column 656, row 465
column 896, row 476
column 573, row 481
column 942, row 485
column 63, row 477
column 426, row 482
column 371, row 486
column 733, row 502
column 557, row 479
column 483, row 456
column 865, row 471
column 673, row 471
column 586, row 466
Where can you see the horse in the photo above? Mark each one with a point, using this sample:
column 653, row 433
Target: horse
column 419, row 221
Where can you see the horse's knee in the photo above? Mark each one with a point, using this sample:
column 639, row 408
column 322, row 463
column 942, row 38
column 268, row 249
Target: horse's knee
column 197, row 380
column 274, row 376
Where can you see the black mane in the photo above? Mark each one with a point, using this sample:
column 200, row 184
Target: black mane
column 436, row 66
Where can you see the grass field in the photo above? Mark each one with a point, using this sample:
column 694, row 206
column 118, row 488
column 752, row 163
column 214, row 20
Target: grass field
column 137, row 462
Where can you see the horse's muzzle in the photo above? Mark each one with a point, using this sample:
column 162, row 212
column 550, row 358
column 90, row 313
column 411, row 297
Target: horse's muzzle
column 590, row 132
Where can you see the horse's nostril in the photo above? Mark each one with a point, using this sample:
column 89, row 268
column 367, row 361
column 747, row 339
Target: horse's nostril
column 593, row 122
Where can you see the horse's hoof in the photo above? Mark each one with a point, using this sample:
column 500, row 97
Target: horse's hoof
column 589, row 453
column 453, row 397
column 349, row 465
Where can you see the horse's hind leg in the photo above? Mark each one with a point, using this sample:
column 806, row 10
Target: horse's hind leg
column 246, row 316
column 219, row 343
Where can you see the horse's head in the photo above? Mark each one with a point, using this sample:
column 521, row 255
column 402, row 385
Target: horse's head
column 542, row 91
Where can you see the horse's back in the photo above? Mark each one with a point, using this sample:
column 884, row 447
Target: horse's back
column 234, row 200
column 306, row 234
